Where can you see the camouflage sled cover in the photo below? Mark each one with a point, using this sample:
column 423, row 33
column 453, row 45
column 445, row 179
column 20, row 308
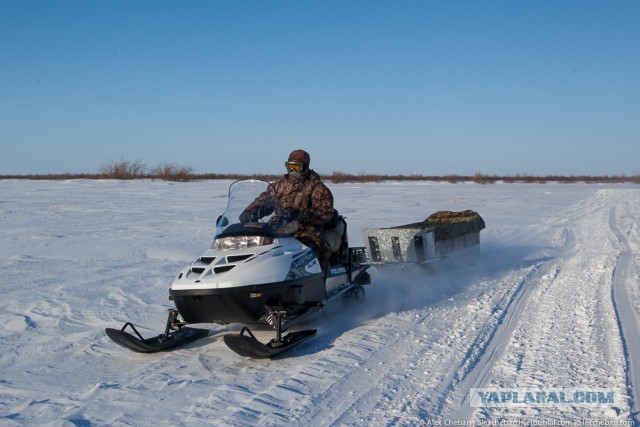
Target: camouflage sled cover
column 449, row 225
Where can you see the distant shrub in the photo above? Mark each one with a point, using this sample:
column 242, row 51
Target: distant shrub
column 338, row 177
column 123, row 169
column 454, row 179
column 483, row 178
column 172, row 172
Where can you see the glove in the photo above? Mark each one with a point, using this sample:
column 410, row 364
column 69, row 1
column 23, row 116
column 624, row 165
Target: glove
column 248, row 216
column 291, row 214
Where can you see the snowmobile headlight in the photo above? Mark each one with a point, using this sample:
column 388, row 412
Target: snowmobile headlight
column 233, row 243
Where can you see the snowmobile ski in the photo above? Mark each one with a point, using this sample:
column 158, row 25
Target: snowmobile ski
column 248, row 345
column 155, row 344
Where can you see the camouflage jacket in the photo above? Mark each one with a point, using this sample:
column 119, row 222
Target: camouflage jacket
column 309, row 196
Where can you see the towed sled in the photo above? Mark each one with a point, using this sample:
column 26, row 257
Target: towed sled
column 439, row 236
column 255, row 274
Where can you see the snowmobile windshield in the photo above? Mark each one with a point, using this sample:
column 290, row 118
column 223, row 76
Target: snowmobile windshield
column 253, row 211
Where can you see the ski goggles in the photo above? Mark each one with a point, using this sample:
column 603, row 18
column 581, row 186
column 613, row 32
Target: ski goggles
column 294, row 166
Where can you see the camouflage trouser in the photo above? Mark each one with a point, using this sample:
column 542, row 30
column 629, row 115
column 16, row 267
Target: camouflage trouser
column 314, row 240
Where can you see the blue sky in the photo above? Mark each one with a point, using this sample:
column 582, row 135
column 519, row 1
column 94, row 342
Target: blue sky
column 390, row 87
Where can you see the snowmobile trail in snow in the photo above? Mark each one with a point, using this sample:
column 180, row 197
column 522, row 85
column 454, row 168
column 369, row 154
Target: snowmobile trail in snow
column 478, row 374
column 626, row 314
column 409, row 361
column 569, row 335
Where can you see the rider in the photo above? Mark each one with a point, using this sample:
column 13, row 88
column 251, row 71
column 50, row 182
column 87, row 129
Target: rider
column 301, row 195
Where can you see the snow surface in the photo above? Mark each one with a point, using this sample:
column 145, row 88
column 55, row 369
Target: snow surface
column 551, row 303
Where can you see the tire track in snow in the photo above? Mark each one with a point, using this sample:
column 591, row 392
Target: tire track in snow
column 627, row 317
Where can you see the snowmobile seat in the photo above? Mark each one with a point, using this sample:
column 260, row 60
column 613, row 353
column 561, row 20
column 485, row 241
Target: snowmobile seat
column 336, row 236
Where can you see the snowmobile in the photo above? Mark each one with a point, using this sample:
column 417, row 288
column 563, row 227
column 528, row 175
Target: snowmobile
column 255, row 273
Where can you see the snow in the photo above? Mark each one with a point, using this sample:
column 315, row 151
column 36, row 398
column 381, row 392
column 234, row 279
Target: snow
column 551, row 303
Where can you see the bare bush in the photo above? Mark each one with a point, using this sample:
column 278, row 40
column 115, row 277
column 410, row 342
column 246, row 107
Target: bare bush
column 172, row 172
column 342, row 177
column 483, row 178
column 123, row 169
column 454, row 179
